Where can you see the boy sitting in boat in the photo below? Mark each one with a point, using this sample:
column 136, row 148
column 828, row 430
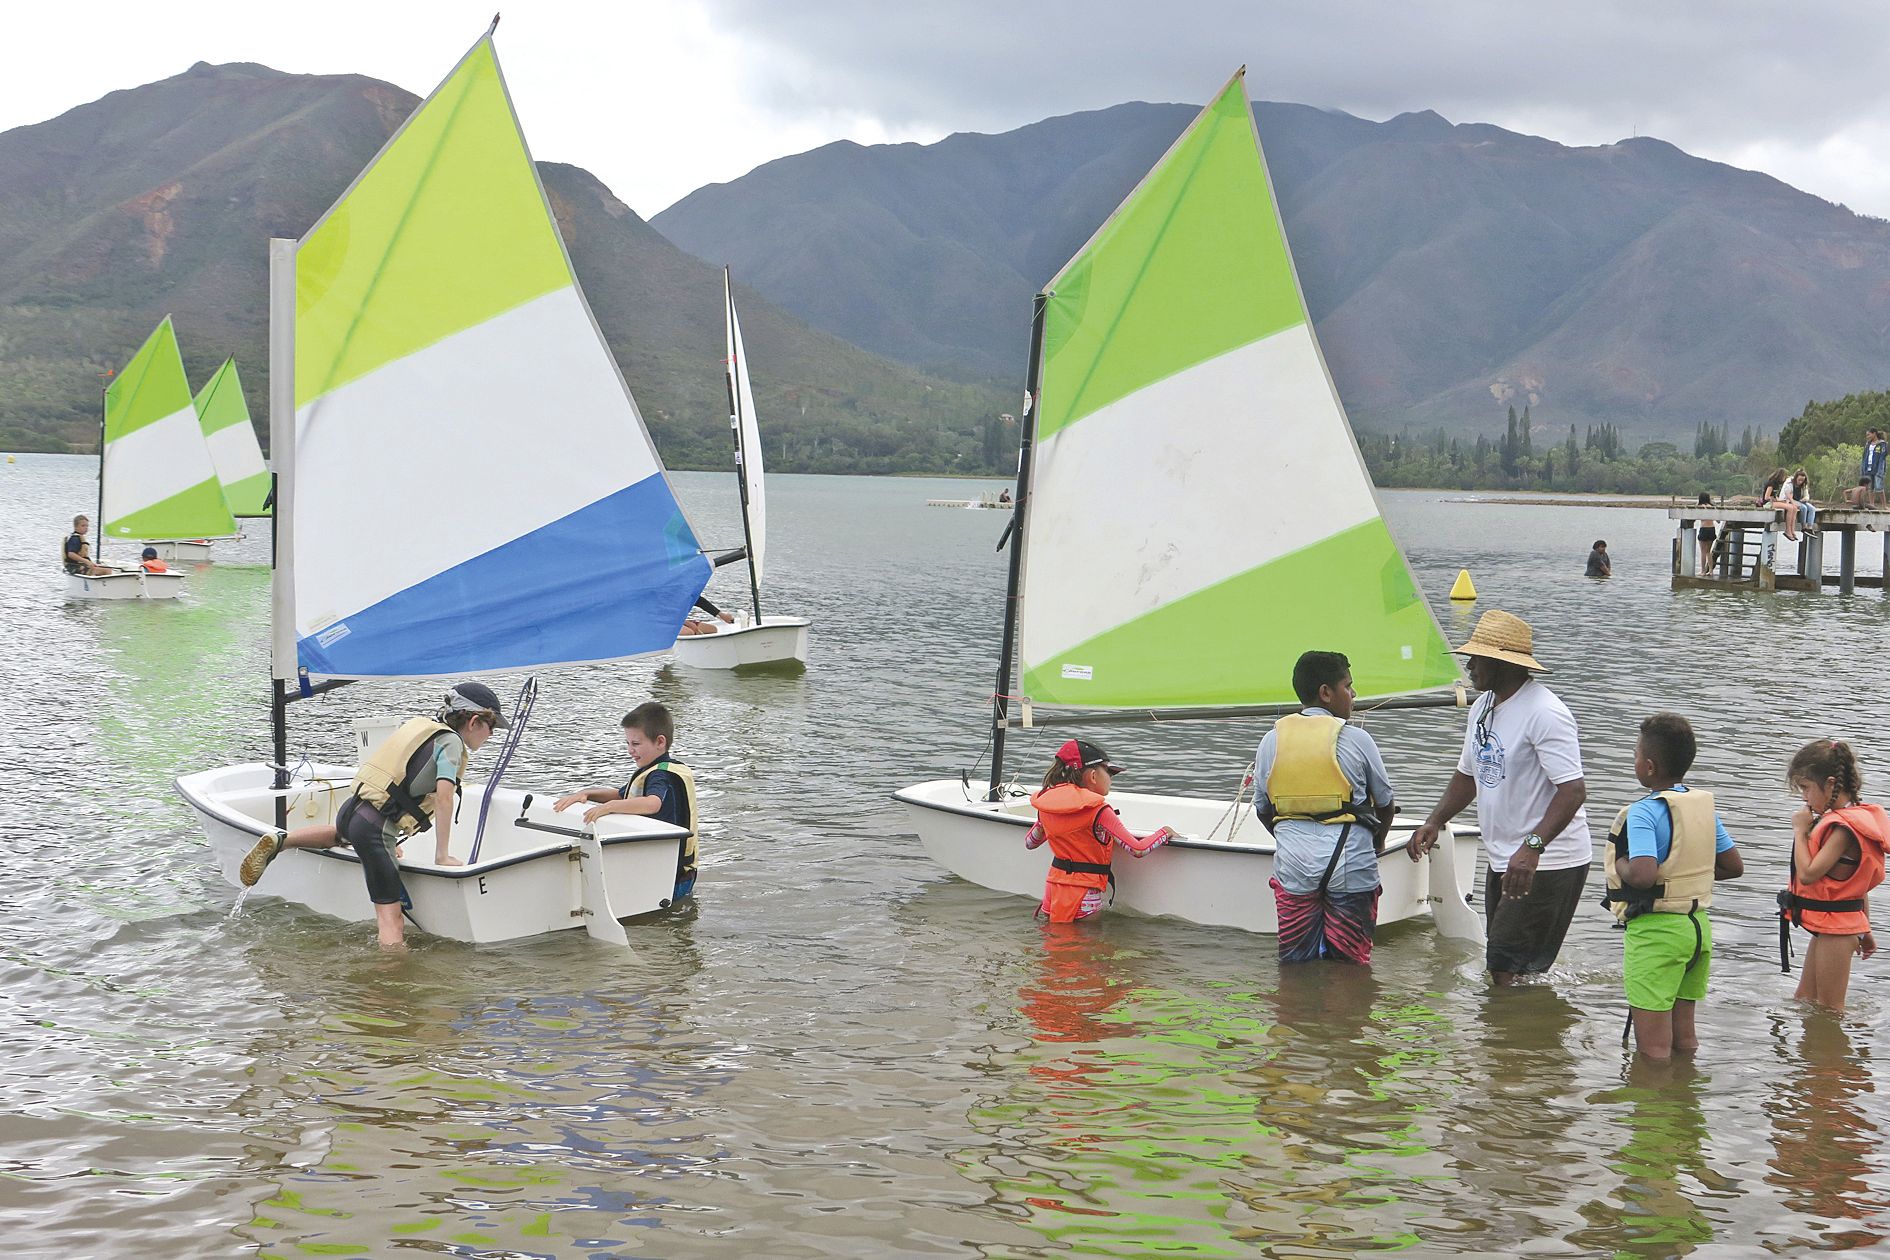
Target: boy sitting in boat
column 1326, row 797
column 78, row 552
column 150, row 563
column 662, row 787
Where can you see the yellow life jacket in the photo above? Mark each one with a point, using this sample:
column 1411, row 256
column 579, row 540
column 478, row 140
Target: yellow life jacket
column 1686, row 877
column 686, row 860
column 382, row 779
column 1306, row 780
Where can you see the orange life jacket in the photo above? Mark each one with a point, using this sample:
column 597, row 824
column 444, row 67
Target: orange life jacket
column 154, row 566
column 1080, row 862
column 1832, row 906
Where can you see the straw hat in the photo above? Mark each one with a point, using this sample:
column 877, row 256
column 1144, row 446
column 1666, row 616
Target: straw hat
column 1503, row 637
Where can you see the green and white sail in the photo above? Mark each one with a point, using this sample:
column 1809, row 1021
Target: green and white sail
column 1199, row 513
column 231, row 438
column 157, row 480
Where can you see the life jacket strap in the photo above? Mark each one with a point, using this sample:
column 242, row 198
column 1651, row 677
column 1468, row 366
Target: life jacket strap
column 1791, row 908
column 1083, row 868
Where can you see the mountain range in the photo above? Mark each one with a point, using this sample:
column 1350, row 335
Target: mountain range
column 1451, row 270
column 162, row 198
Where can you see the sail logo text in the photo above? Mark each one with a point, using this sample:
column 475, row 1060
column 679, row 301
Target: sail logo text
column 337, row 631
column 1086, row 673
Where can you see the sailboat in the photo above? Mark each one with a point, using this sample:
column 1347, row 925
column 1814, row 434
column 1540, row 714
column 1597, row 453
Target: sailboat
column 154, row 474
column 224, row 416
column 1192, row 513
column 754, row 639
column 463, row 485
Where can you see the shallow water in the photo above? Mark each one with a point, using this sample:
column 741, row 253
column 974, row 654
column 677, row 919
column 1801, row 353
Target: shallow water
column 839, row 1050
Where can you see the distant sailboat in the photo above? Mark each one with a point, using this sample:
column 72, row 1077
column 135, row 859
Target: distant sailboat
column 227, row 431
column 464, row 485
column 1192, row 514
column 755, row 640
column 155, row 478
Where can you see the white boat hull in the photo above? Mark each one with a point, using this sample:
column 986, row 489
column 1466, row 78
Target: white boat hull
column 526, row 883
column 136, row 584
column 771, row 641
column 1215, row 874
column 193, row 550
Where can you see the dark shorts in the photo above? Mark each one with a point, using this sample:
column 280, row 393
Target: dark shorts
column 1526, row 932
column 1325, row 925
column 373, row 839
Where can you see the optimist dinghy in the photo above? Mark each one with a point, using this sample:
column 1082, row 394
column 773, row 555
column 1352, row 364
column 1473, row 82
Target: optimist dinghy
column 154, row 473
column 463, row 485
column 753, row 639
column 1174, row 377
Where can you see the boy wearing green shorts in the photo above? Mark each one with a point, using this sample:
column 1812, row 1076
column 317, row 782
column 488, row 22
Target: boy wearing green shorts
column 1664, row 854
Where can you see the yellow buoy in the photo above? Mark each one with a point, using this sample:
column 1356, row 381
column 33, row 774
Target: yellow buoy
column 1463, row 587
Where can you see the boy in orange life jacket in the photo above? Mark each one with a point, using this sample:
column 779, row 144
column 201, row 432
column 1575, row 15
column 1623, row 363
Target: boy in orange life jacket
column 150, row 563
column 1837, row 858
column 1079, row 826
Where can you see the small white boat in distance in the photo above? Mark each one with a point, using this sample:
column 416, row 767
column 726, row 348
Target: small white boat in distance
column 186, row 550
column 1213, row 873
column 524, row 882
column 481, row 316
column 753, row 640
column 989, row 499
column 135, row 584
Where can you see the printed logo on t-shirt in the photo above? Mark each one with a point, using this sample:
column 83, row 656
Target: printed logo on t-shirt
column 1490, row 761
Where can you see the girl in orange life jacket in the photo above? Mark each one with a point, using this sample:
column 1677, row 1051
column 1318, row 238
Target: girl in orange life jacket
column 1837, row 858
column 1079, row 826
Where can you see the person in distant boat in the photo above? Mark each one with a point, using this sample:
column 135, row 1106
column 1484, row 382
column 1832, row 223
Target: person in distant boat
column 696, row 625
column 1522, row 765
column 1004, row 496
column 1777, row 493
column 1599, row 563
column 662, row 787
column 407, row 785
column 77, row 552
column 1079, row 826
column 1838, row 847
column 150, row 563
column 1708, row 533
column 1664, row 854
column 1325, row 795
column 1801, row 495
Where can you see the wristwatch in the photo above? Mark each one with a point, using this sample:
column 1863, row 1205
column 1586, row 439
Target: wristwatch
column 1534, row 842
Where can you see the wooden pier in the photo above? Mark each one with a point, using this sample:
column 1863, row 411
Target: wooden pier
column 1750, row 539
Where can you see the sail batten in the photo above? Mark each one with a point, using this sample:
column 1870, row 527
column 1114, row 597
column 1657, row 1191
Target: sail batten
column 1200, row 513
column 157, row 475
column 474, row 486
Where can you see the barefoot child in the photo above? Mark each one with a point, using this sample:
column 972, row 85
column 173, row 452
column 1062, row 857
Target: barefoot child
column 1837, row 858
column 662, row 787
column 1079, row 826
column 1663, row 855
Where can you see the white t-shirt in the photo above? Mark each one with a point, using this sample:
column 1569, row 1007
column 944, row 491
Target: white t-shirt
column 1532, row 746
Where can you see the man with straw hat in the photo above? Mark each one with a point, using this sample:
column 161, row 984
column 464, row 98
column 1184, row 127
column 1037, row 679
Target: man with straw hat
column 1522, row 764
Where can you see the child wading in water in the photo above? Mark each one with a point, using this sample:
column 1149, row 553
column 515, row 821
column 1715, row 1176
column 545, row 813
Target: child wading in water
column 1837, row 858
column 1664, row 853
column 1079, row 826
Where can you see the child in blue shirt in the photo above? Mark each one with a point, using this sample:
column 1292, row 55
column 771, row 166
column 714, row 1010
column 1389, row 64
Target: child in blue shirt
column 1662, row 896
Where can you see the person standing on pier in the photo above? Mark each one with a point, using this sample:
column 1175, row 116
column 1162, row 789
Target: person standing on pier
column 1522, row 765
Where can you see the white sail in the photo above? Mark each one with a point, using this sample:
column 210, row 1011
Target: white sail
column 741, row 401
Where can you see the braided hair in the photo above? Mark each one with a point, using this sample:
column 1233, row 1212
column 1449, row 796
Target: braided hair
column 1823, row 759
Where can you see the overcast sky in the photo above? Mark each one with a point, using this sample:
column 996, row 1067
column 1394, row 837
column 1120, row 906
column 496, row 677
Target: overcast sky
column 659, row 97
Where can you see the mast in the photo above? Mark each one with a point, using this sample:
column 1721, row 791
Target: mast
column 735, row 364
column 1000, row 694
column 282, row 517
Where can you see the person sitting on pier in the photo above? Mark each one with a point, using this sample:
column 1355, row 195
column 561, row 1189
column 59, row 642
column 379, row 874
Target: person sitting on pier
column 1801, row 495
column 1599, row 564
column 1777, row 493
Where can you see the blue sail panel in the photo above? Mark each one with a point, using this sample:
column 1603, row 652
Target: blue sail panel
column 610, row 580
